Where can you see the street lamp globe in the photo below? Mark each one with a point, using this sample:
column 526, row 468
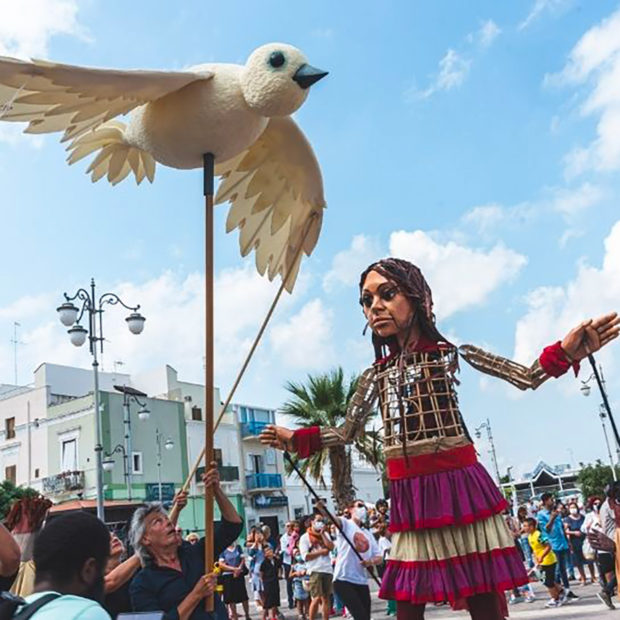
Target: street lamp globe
column 108, row 464
column 77, row 335
column 169, row 444
column 585, row 389
column 67, row 313
column 135, row 323
column 144, row 414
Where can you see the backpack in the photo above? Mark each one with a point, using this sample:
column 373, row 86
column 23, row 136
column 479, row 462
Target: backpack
column 9, row 604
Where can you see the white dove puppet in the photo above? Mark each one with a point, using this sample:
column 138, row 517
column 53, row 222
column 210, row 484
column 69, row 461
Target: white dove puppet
column 240, row 113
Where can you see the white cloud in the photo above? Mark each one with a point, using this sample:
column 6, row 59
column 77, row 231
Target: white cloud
column 485, row 217
column 349, row 264
column 554, row 310
column 595, row 62
column 489, row 31
column 305, row 340
column 572, row 202
column 460, row 277
column 453, row 69
column 540, row 7
column 27, row 26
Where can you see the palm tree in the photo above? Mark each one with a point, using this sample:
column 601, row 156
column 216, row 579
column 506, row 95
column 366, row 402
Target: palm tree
column 322, row 402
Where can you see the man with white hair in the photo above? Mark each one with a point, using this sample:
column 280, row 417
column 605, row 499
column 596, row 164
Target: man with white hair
column 173, row 579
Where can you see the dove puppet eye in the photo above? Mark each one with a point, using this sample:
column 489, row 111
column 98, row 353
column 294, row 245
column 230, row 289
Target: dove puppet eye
column 276, row 59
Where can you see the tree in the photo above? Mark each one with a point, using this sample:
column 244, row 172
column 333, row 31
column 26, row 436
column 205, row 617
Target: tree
column 9, row 493
column 323, row 402
column 593, row 478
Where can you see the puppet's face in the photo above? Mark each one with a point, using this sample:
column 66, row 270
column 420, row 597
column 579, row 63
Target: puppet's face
column 387, row 310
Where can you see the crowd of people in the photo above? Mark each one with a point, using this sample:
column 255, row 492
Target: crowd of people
column 83, row 571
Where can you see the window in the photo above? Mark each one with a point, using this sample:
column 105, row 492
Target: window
column 10, row 473
column 36, row 472
column 257, row 463
column 9, row 428
column 68, row 455
column 299, row 513
column 217, row 456
column 270, row 456
column 197, row 414
column 136, row 463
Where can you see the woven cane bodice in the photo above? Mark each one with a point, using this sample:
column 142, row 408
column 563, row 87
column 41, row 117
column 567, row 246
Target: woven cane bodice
column 418, row 403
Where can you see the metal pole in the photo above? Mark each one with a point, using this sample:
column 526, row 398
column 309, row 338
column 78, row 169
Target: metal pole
column 158, row 439
column 128, row 452
column 601, row 386
column 493, row 454
column 601, row 415
column 98, row 421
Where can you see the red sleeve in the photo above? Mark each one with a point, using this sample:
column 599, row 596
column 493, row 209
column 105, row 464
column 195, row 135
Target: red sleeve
column 307, row 441
column 555, row 362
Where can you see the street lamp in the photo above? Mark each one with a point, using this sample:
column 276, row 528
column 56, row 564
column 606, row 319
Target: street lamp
column 168, row 445
column 478, row 431
column 131, row 394
column 70, row 315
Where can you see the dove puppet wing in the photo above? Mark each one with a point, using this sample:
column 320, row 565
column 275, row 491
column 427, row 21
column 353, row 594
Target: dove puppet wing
column 276, row 191
column 56, row 97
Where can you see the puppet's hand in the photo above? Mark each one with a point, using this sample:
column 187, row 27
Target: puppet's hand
column 590, row 336
column 277, row 437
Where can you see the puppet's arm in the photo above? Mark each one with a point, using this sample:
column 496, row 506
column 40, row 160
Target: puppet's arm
column 553, row 362
column 307, row 441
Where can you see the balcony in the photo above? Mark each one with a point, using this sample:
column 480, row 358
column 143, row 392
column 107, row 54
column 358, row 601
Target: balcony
column 259, row 482
column 66, row 482
column 252, row 429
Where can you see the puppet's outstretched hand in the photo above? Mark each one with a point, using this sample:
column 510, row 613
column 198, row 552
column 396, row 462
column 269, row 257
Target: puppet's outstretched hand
column 589, row 336
column 277, row 437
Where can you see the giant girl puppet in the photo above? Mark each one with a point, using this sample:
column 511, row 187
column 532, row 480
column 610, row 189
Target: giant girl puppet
column 450, row 541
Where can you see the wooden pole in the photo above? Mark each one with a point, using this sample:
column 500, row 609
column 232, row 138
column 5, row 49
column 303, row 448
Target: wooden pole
column 208, row 181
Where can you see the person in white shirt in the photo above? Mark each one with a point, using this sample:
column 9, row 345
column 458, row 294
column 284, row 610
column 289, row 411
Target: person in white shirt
column 351, row 574
column 287, row 561
column 314, row 547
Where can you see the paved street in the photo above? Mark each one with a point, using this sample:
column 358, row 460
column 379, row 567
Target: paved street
column 586, row 608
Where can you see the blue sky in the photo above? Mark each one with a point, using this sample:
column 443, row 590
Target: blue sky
column 477, row 139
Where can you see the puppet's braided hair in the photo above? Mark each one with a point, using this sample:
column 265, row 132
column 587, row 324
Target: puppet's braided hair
column 414, row 286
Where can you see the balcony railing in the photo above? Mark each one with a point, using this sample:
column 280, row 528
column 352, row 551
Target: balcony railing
column 252, row 429
column 263, row 481
column 63, row 483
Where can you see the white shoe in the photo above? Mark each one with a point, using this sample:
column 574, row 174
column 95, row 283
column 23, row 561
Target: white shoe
column 553, row 603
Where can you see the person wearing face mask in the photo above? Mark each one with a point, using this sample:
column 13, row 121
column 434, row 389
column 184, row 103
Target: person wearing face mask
column 315, row 546
column 301, row 586
column 351, row 575
column 573, row 525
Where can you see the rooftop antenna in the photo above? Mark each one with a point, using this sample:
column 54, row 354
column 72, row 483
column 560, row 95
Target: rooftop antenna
column 15, row 342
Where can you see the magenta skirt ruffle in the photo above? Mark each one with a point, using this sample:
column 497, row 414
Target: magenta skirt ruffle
column 453, row 579
column 455, row 497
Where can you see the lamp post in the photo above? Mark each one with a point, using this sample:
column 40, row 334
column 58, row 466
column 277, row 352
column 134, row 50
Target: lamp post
column 131, row 394
column 604, row 411
column 478, row 431
column 70, row 316
column 168, row 445
column 108, row 462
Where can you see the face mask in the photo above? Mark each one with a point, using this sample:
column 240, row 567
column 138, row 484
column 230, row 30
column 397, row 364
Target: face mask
column 596, row 507
column 299, row 558
column 574, row 511
column 360, row 513
column 318, row 526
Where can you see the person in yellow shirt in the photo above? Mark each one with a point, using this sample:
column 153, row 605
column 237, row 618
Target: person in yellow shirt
column 545, row 560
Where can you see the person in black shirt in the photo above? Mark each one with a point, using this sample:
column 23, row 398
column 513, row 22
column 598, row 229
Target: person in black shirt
column 271, row 587
column 173, row 579
column 10, row 556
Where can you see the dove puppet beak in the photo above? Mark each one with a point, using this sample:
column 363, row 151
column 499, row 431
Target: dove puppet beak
column 307, row 75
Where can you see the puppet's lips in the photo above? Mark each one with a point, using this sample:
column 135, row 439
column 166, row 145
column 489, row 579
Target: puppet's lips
column 381, row 321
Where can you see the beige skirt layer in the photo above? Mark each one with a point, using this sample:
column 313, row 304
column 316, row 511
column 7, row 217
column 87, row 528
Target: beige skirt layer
column 449, row 542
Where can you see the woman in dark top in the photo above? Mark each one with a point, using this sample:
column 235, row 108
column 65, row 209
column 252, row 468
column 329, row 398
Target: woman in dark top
column 234, row 570
column 271, row 587
column 173, row 579
column 572, row 526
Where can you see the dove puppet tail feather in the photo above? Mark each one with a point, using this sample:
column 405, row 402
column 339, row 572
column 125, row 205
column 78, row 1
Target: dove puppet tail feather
column 116, row 158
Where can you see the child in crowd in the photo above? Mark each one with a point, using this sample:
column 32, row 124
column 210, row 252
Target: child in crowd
column 271, row 587
column 545, row 560
column 301, row 585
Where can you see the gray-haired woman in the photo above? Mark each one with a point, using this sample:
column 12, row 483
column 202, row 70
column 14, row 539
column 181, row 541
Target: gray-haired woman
column 173, row 579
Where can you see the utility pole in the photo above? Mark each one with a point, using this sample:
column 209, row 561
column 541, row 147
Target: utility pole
column 15, row 342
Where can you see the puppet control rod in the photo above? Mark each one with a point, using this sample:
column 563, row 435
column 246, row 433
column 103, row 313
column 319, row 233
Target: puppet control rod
column 329, row 515
column 599, row 382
